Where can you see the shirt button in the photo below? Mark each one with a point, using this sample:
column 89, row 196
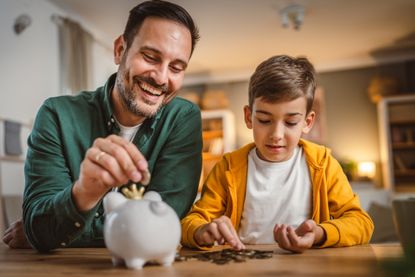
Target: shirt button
column 96, row 214
column 112, row 120
column 77, row 224
column 63, row 244
column 109, row 123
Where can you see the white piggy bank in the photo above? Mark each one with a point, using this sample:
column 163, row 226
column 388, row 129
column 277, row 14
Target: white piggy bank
column 138, row 231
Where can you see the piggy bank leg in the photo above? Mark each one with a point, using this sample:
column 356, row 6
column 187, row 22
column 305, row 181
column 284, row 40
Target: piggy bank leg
column 168, row 260
column 117, row 261
column 135, row 263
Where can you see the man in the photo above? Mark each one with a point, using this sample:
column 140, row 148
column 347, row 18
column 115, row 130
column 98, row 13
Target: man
column 83, row 146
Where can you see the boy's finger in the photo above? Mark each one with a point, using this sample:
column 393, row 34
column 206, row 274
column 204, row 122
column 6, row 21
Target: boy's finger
column 295, row 240
column 214, row 231
column 226, row 233
column 283, row 240
column 276, row 228
column 304, row 228
column 239, row 245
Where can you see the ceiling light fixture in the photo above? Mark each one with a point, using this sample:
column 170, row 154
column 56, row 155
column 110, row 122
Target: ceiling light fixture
column 292, row 15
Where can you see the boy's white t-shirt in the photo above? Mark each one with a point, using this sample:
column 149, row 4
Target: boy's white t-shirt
column 276, row 193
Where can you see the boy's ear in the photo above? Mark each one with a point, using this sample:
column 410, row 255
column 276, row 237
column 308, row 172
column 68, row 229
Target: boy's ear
column 248, row 117
column 309, row 122
column 119, row 49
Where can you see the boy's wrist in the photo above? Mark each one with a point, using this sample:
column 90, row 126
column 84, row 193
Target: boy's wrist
column 320, row 236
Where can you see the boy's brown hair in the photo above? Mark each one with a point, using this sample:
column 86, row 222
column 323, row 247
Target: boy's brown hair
column 283, row 78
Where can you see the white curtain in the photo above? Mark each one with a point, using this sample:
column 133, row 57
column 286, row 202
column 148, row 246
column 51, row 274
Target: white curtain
column 75, row 45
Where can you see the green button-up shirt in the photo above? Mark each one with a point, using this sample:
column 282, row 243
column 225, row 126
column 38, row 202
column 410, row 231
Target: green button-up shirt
column 65, row 127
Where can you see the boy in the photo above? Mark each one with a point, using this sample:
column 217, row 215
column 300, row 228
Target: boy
column 280, row 188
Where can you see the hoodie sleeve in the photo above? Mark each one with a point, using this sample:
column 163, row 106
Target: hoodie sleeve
column 347, row 224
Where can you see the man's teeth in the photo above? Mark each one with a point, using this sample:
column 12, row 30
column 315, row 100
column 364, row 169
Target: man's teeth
column 150, row 89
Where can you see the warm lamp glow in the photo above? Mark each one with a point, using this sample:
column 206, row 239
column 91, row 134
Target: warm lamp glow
column 366, row 170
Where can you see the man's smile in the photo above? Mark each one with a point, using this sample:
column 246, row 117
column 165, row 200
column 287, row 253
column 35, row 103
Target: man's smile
column 149, row 89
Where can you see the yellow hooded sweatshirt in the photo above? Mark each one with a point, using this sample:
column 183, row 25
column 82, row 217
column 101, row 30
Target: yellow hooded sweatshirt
column 335, row 207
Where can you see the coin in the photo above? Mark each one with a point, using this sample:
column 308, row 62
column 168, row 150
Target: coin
column 227, row 255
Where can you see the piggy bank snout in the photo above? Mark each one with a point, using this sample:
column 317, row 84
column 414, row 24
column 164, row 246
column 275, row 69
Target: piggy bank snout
column 158, row 208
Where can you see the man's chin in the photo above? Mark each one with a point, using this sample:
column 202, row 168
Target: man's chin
column 148, row 110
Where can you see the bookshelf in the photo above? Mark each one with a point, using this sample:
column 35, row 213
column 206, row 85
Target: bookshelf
column 397, row 141
column 218, row 138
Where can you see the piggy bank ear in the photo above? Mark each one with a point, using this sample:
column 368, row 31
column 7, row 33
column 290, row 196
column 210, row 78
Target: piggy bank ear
column 152, row 195
column 113, row 200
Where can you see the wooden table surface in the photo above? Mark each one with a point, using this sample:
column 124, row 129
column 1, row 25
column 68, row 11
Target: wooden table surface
column 349, row 261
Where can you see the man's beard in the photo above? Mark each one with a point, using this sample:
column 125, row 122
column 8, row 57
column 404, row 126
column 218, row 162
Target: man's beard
column 128, row 96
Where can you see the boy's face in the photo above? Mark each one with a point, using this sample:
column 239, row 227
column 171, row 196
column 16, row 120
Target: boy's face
column 278, row 127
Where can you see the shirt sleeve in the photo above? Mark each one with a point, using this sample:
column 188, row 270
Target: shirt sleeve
column 50, row 217
column 212, row 204
column 349, row 224
column 176, row 171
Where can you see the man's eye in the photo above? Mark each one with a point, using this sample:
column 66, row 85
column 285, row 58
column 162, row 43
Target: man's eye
column 291, row 123
column 176, row 69
column 149, row 58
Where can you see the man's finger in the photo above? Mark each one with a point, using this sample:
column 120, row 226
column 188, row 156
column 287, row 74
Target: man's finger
column 7, row 238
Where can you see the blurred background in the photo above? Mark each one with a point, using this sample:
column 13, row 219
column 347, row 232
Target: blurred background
column 363, row 50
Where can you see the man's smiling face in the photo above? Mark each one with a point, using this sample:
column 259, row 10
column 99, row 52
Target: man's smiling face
column 152, row 69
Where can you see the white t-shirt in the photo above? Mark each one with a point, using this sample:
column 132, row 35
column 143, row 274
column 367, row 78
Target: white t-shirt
column 128, row 132
column 276, row 193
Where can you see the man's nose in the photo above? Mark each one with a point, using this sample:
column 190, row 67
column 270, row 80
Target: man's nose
column 160, row 74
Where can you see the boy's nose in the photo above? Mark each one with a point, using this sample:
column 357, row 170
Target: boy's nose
column 278, row 132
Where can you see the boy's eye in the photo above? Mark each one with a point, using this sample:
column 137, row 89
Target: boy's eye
column 291, row 123
column 263, row 121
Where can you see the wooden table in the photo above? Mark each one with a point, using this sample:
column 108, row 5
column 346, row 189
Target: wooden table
column 349, row 261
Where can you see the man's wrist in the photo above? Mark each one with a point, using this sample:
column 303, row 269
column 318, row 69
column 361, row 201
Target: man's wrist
column 84, row 200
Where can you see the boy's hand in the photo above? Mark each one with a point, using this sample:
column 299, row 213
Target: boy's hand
column 300, row 239
column 220, row 230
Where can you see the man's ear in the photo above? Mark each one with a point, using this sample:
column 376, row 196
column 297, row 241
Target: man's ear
column 309, row 122
column 119, row 49
column 248, row 117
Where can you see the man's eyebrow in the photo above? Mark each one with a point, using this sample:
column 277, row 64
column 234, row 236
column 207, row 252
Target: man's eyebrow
column 155, row 50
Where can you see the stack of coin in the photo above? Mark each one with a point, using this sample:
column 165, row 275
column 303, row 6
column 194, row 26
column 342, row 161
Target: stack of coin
column 227, row 255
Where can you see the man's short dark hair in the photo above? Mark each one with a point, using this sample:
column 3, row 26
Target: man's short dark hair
column 161, row 9
column 283, row 78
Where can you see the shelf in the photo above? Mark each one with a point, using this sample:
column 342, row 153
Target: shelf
column 405, row 173
column 209, row 156
column 403, row 145
column 405, row 187
column 208, row 135
column 14, row 159
column 403, row 122
column 397, row 141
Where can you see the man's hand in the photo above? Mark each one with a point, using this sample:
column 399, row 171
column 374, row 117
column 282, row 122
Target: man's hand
column 14, row 236
column 110, row 162
column 220, row 230
column 300, row 239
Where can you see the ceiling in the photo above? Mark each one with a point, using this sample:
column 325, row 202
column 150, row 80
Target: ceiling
column 238, row 34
